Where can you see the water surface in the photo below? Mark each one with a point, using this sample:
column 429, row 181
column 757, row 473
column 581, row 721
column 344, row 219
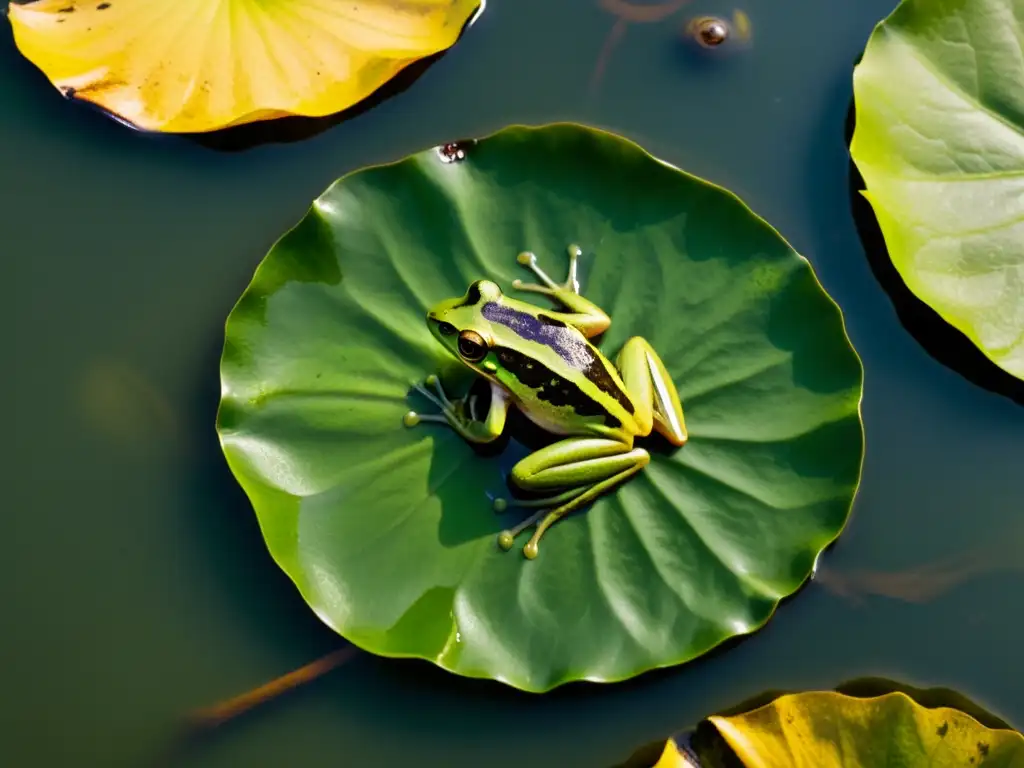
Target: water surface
column 135, row 584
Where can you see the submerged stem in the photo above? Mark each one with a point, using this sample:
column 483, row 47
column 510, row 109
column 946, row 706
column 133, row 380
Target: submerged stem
column 218, row 714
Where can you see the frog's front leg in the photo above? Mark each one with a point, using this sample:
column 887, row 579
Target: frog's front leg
column 583, row 468
column 460, row 414
column 583, row 314
column 652, row 391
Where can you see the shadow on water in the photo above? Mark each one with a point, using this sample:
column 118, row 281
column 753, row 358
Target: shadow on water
column 941, row 340
column 231, row 545
column 705, row 741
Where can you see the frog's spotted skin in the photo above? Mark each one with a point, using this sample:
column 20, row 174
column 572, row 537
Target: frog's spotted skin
column 542, row 362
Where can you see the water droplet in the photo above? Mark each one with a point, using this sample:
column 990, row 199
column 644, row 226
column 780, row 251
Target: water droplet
column 453, row 151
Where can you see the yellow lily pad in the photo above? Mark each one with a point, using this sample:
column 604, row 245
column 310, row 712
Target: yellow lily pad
column 191, row 66
column 824, row 729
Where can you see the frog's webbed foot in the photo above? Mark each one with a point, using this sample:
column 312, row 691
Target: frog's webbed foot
column 571, row 284
column 454, row 414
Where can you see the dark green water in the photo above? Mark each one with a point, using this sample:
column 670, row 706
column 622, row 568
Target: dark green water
column 135, row 584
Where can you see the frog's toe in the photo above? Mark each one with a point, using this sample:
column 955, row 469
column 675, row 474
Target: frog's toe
column 500, row 505
column 411, row 419
column 531, row 550
column 506, row 540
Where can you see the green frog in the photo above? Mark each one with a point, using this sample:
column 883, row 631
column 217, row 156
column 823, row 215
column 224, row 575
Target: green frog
column 542, row 362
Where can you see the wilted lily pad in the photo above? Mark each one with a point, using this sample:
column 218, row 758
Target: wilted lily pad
column 830, row 730
column 388, row 532
column 187, row 66
column 940, row 143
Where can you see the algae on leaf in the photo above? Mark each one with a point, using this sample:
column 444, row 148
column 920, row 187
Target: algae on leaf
column 189, row 66
column 939, row 140
column 389, row 533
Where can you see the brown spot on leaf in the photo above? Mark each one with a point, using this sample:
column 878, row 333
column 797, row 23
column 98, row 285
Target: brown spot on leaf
column 68, row 9
column 983, row 749
column 943, row 730
column 102, row 6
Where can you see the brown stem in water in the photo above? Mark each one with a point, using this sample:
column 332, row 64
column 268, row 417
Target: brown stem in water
column 626, row 14
column 642, row 14
column 218, row 714
column 617, row 31
column 928, row 581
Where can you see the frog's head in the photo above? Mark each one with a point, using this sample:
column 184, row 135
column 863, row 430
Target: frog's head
column 459, row 323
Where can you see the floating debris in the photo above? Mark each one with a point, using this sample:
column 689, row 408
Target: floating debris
column 709, row 31
column 712, row 31
column 454, row 151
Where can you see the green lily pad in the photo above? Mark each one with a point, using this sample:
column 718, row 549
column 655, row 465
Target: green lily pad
column 388, row 532
column 939, row 141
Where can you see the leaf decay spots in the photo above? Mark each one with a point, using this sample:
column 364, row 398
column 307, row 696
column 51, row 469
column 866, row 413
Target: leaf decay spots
column 102, row 6
column 942, row 730
column 983, row 749
column 100, row 85
column 68, row 9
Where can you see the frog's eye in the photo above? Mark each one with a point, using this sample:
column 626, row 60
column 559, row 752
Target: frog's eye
column 472, row 346
column 447, row 329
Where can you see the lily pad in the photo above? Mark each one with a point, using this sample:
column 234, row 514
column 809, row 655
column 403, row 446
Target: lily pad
column 190, row 66
column 388, row 532
column 830, row 730
column 939, row 142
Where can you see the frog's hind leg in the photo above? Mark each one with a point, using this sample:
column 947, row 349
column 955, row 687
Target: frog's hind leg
column 652, row 391
column 581, row 468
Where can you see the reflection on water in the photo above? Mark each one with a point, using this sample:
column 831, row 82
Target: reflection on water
column 705, row 31
column 1003, row 551
column 120, row 402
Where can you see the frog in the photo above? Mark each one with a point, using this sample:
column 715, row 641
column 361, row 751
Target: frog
column 545, row 363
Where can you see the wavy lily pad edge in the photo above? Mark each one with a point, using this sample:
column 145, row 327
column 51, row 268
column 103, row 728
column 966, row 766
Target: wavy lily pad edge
column 259, row 118
column 253, row 491
column 892, row 19
column 933, row 699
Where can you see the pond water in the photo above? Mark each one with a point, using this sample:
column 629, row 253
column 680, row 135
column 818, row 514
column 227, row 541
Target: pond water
column 135, row 584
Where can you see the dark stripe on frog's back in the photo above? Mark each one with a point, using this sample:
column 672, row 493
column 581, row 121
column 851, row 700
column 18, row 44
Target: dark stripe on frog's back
column 472, row 296
column 550, row 387
column 567, row 342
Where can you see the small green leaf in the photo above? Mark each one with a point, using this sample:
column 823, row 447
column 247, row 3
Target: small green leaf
column 823, row 729
column 388, row 532
column 939, row 141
